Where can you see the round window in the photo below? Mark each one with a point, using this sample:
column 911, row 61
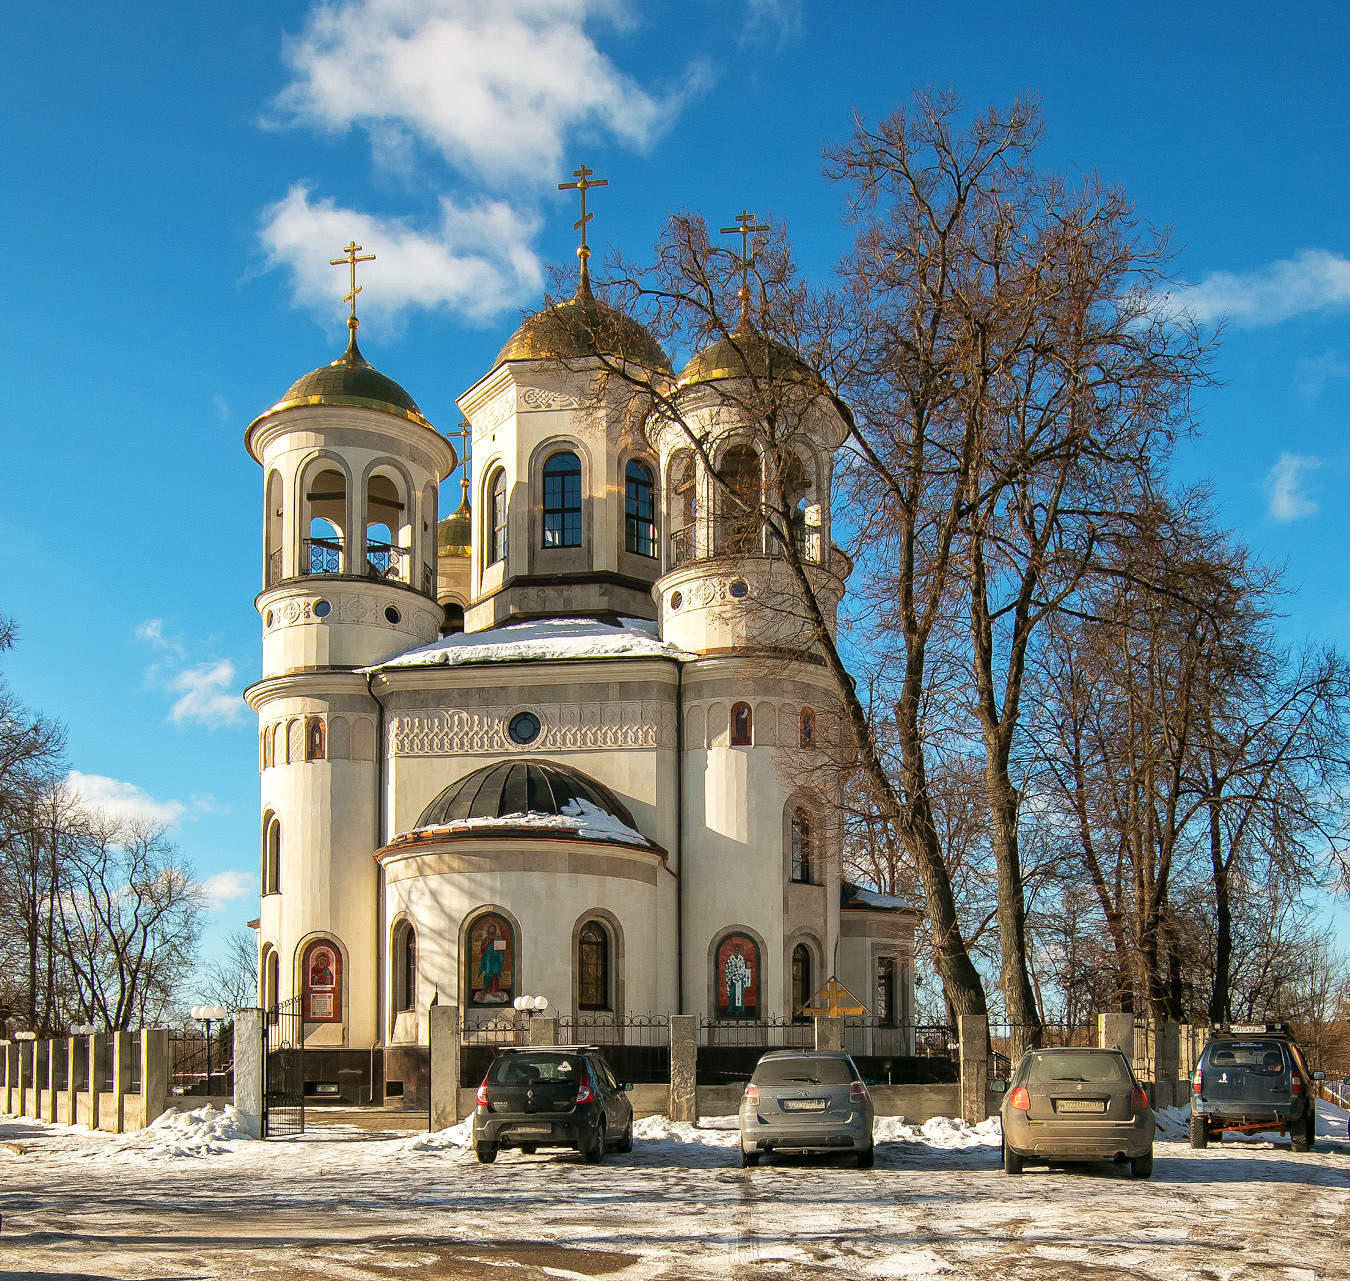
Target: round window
column 524, row 728
column 392, row 614
column 676, row 599
column 322, row 609
column 740, row 589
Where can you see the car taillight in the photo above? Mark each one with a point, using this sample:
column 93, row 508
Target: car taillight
column 1198, row 1081
column 1020, row 1099
column 1296, row 1083
column 857, row 1092
column 752, row 1093
column 584, row 1094
column 1138, row 1100
column 482, row 1094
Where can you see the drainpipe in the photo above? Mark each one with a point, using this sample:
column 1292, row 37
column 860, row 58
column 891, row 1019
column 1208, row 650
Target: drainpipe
column 679, row 835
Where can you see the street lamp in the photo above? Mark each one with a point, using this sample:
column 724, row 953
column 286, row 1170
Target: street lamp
column 25, row 1036
column 531, row 1004
column 206, row 1014
column 82, row 1029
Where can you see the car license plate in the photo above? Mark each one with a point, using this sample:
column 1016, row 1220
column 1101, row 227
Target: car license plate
column 531, row 1131
column 803, row 1105
column 1079, row 1105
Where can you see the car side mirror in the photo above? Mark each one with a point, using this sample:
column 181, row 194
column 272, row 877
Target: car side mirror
column 998, row 1084
column 1319, row 1076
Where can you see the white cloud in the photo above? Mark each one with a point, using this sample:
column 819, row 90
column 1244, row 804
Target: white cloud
column 1309, row 281
column 778, row 21
column 226, row 887
column 120, row 800
column 1284, row 481
column 494, row 85
column 203, row 695
column 477, row 262
column 1313, row 373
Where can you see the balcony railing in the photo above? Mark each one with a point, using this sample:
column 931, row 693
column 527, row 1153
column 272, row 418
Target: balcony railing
column 323, row 555
column 274, row 568
column 739, row 536
column 385, row 560
column 681, row 546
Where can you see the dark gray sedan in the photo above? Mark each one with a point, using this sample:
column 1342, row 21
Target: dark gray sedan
column 806, row 1101
column 1076, row 1105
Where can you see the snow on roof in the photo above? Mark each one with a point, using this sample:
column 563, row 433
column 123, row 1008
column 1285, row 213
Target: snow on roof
column 851, row 895
column 577, row 818
column 543, row 639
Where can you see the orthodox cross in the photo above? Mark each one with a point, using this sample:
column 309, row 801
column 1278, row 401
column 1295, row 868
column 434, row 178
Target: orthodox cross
column 747, row 228
column 353, row 256
column 465, row 436
column 583, row 184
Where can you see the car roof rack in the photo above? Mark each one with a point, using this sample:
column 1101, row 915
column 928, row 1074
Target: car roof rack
column 548, row 1049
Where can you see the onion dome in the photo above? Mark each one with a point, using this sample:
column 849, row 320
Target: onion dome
column 584, row 326
column 453, row 534
column 745, row 353
column 510, row 789
column 350, row 380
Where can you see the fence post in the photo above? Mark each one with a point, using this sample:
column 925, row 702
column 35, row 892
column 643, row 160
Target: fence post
column 1115, row 1031
column 154, row 1073
column 95, row 1082
column 72, row 1090
column 829, row 1033
column 248, row 1068
column 123, row 1048
column 51, row 1081
column 6, row 1047
column 972, row 1031
column 27, row 1060
column 443, row 1037
column 1169, row 1062
column 683, row 1104
column 543, row 1029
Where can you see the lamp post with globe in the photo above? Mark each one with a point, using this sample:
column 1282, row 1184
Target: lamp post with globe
column 207, row 1014
column 529, row 1006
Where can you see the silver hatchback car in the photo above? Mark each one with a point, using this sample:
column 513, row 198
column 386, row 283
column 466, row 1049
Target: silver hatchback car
column 806, row 1101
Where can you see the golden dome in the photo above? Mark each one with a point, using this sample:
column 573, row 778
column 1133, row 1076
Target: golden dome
column 350, row 380
column 453, row 534
column 584, row 326
column 745, row 353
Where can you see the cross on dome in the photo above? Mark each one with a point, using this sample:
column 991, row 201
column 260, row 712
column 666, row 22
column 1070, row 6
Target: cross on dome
column 583, row 184
column 352, row 256
column 746, row 229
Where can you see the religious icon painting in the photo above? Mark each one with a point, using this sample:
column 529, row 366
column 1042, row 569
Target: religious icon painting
column 737, row 977
column 492, row 961
column 322, row 983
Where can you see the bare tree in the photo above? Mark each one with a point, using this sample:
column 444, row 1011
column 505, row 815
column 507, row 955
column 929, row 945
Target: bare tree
column 231, row 971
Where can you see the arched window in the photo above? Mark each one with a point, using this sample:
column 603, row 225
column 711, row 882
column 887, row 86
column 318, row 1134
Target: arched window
column 271, row 980
column 562, row 501
column 738, row 526
column 271, row 877
column 801, row 981
column 453, row 622
column 737, row 977
column 385, row 556
column 682, row 503
column 321, row 975
column 273, row 523
column 740, row 725
column 326, row 502
column 807, row 727
column 801, row 846
column 593, row 967
column 639, row 510
column 490, row 961
column 403, row 972
column 315, row 745
column 496, row 517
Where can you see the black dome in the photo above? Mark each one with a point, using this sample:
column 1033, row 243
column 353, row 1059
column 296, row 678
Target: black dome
column 520, row 787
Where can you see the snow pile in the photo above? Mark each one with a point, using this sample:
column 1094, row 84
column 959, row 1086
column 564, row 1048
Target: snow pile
column 1172, row 1123
column 544, row 639
column 578, row 817
column 710, row 1132
column 452, row 1138
column 201, row 1132
column 939, row 1132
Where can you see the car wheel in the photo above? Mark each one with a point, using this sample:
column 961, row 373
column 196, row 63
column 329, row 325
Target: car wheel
column 529, row 1148
column 1305, row 1137
column 1012, row 1163
column 867, row 1157
column 594, row 1151
column 625, row 1143
column 749, row 1159
column 1141, row 1167
column 485, row 1152
column 1199, row 1132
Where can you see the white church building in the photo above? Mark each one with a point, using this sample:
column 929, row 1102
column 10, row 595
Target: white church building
column 537, row 746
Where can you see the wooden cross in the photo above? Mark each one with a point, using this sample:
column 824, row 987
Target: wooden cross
column 583, row 184
column 353, row 255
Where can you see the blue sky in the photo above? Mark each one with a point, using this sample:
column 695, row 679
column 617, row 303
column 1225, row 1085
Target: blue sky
column 177, row 177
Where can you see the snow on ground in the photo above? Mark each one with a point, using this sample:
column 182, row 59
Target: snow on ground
column 192, row 1197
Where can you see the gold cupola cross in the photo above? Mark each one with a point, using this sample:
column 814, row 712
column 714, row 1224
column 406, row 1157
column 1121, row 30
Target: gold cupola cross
column 352, row 255
column 746, row 228
column 583, row 184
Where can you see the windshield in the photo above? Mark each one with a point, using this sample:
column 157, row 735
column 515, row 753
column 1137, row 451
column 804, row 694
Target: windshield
column 804, row 1071
column 1099, row 1069
column 1265, row 1057
column 527, row 1069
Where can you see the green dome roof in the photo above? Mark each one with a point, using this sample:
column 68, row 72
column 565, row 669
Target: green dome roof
column 745, row 353
column 584, row 326
column 350, row 380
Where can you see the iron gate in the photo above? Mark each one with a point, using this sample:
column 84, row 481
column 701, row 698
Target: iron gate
column 283, row 1070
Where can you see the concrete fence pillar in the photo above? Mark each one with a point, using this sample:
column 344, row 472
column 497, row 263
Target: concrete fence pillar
column 829, row 1033
column 248, row 1068
column 154, row 1073
column 972, row 1032
column 1169, row 1063
column 54, row 1047
column 543, row 1029
column 1115, row 1031
column 443, row 1037
column 683, row 1105
column 124, row 1046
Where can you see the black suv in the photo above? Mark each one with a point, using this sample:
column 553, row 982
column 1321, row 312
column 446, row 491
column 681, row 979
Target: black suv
column 556, row 1096
column 1253, row 1078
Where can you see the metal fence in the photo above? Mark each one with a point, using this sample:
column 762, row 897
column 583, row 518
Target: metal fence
column 200, row 1066
column 1008, row 1042
column 479, row 1042
column 637, row 1048
column 107, row 1062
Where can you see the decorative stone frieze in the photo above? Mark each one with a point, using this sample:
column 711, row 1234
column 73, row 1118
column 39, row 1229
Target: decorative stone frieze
column 564, row 727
